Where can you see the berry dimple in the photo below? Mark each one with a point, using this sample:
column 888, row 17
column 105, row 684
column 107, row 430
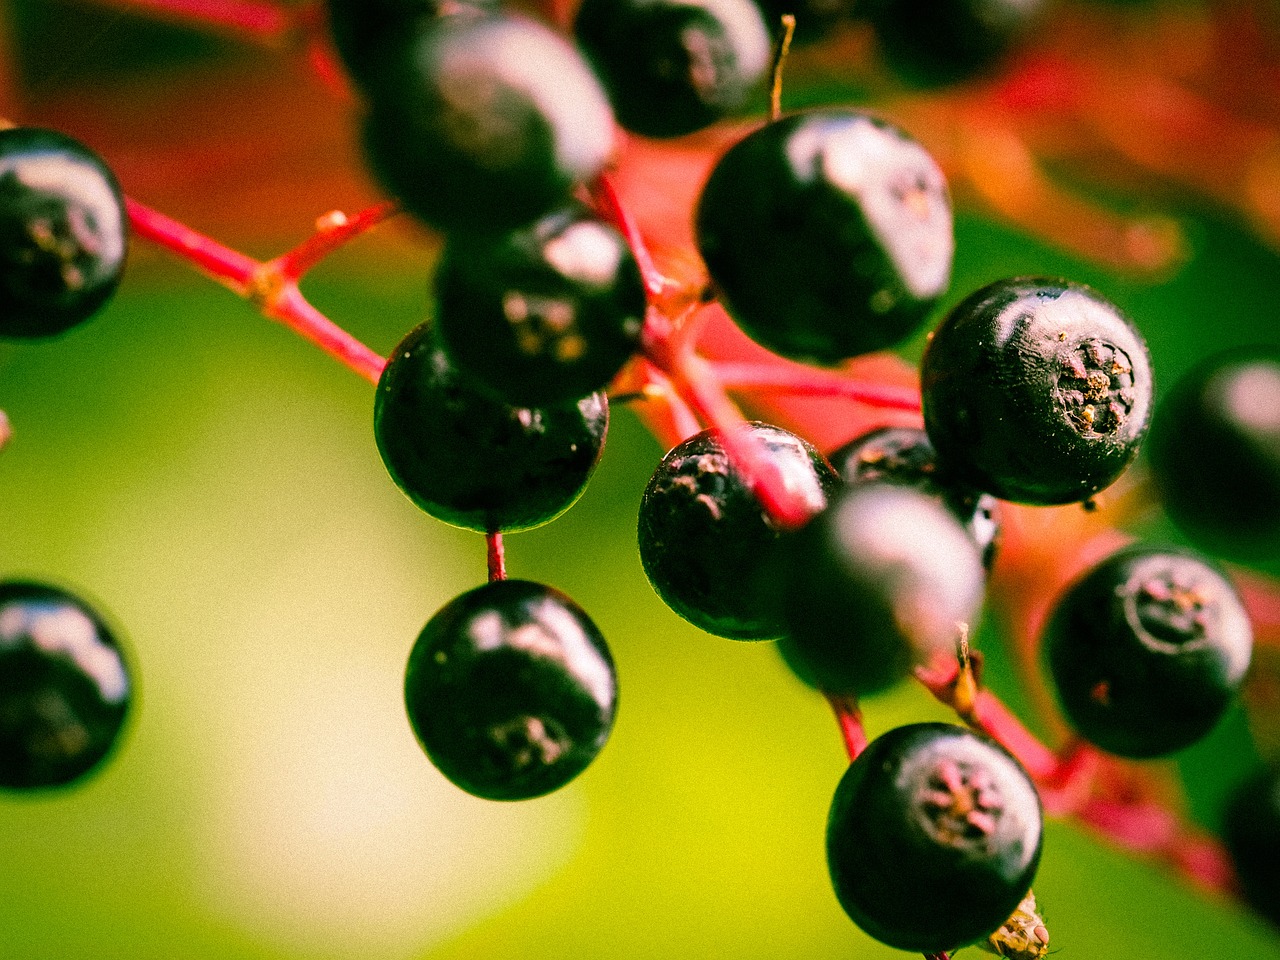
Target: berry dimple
column 1095, row 387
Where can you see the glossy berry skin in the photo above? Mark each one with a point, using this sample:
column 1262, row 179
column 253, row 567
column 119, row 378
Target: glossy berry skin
column 65, row 687
column 1251, row 830
column 674, row 66
column 511, row 690
column 365, row 32
column 936, row 42
column 1147, row 650
column 543, row 314
column 934, row 837
column 705, row 541
column 904, row 456
column 63, row 233
column 471, row 460
column 828, row 234
column 1215, row 453
column 1036, row 390
column 873, row 586
column 485, row 122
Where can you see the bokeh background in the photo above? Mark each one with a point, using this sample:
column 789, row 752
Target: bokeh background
column 211, row 481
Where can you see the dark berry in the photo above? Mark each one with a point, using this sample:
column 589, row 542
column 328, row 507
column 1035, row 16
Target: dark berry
column 904, row 455
column 674, row 66
column 543, row 314
column 471, row 460
column 1036, row 390
column 65, row 688
column 705, row 541
column 485, row 122
column 1146, row 651
column 934, row 837
column 935, row 42
column 828, row 234
column 873, row 586
column 1215, row 453
column 365, row 32
column 1252, row 834
column 63, row 233
column 511, row 690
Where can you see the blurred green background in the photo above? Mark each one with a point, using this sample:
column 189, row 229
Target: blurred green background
column 212, row 482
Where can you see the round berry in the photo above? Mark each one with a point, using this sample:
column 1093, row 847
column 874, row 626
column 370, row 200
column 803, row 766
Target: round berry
column 64, row 687
column 63, row 233
column 828, row 234
column 471, row 460
column 674, row 66
column 873, row 586
column 705, row 540
column 1147, row 650
column 904, row 456
column 543, row 314
column 935, row 42
column 484, row 122
column 511, row 690
column 934, row 837
column 1215, row 453
column 1252, row 834
column 1036, row 390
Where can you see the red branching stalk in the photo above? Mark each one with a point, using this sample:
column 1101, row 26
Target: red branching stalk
column 497, row 555
column 272, row 286
column 257, row 20
column 6, row 430
column 800, row 380
column 333, row 230
column 849, row 717
column 611, row 206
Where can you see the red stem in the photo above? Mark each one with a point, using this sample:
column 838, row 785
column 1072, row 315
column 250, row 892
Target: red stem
column 610, row 205
column 807, row 381
column 497, row 554
column 293, row 310
column 849, row 717
column 332, row 231
column 229, row 267
column 257, row 20
column 6, row 431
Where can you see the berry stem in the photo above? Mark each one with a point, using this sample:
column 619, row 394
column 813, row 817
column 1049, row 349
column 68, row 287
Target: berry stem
column 6, row 430
column 497, row 555
column 611, row 207
column 333, row 230
column 292, row 309
column 807, row 381
column 779, row 65
column 232, row 269
column 256, row 20
column 849, row 717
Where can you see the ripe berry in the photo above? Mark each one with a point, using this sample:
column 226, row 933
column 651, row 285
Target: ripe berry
column 904, row 455
column 511, row 690
column 873, row 586
column 827, row 233
column 1215, row 453
column 674, row 66
column 543, row 314
column 1147, row 650
column 62, row 233
column 704, row 538
column 64, row 687
column 930, row 43
column 474, row 461
column 934, row 837
column 485, row 122
column 1035, row 390
column 1252, row 834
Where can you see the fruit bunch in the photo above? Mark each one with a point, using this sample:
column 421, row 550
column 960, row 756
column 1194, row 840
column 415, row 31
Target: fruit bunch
column 819, row 237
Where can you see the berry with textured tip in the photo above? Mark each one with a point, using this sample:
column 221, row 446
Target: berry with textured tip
column 65, row 688
column 543, row 314
column 485, row 122
column 904, row 455
column 828, row 234
column 1146, row 651
column 934, row 837
column 1215, row 453
column 874, row 585
column 63, row 233
column 471, row 460
column 705, row 539
column 674, row 66
column 511, row 690
column 1036, row 390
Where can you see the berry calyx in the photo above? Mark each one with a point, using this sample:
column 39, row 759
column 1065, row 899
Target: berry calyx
column 63, row 233
column 934, row 837
column 828, row 234
column 511, row 690
column 65, row 688
column 471, row 460
column 1036, row 390
column 1147, row 650
column 705, row 540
